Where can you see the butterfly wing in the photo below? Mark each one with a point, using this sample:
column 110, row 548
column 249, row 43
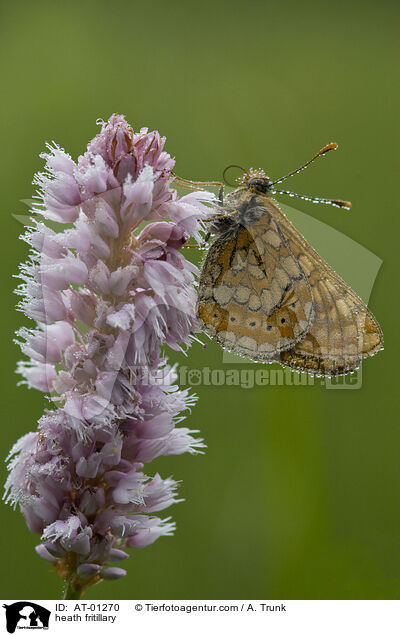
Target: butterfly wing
column 254, row 297
column 343, row 330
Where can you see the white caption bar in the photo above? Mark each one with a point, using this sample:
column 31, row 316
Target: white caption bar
column 178, row 618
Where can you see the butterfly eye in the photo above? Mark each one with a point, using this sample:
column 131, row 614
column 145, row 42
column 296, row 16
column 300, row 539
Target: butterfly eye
column 283, row 320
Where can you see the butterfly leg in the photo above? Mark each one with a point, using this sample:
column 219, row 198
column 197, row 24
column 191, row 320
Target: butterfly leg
column 194, row 185
column 218, row 218
column 211, row 220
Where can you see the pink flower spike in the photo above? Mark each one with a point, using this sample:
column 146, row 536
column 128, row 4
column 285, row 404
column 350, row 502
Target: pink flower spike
column 107, row 299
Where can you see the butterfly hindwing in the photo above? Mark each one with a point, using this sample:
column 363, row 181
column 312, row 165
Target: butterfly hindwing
column 343, row 330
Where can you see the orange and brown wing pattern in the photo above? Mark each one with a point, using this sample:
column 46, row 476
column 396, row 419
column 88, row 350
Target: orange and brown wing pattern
column 343, row 330
column 254, row 298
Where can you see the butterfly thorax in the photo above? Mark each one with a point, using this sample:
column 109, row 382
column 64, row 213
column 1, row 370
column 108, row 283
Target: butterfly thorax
column 242, row 207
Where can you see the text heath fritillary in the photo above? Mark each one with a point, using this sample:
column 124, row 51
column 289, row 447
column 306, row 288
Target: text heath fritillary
column 266, row 294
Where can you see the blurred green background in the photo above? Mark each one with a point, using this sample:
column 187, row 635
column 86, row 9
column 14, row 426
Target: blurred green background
column 298, row 493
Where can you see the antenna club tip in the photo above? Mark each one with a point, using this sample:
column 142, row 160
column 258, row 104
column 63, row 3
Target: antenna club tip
column 332, row 146
column 342, row 204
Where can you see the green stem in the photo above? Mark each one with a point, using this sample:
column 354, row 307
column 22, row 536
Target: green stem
column 72, row 593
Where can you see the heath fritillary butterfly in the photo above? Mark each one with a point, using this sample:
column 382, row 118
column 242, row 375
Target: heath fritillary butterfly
column 266, row 294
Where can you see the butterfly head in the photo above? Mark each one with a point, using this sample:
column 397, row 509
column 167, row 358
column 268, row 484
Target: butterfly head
column 257, row 180
column 260, row 184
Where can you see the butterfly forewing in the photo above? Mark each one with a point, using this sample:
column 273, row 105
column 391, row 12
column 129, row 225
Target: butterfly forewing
column 254, row 297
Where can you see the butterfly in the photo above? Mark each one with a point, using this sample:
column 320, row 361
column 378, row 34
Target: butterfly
column 266, row 294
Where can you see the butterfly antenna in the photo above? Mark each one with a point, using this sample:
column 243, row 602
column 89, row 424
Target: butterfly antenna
column 323, row 151
column 232, row 165
column 338, row 203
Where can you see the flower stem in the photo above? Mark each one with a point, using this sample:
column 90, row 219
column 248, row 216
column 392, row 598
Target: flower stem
column 72, row 593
